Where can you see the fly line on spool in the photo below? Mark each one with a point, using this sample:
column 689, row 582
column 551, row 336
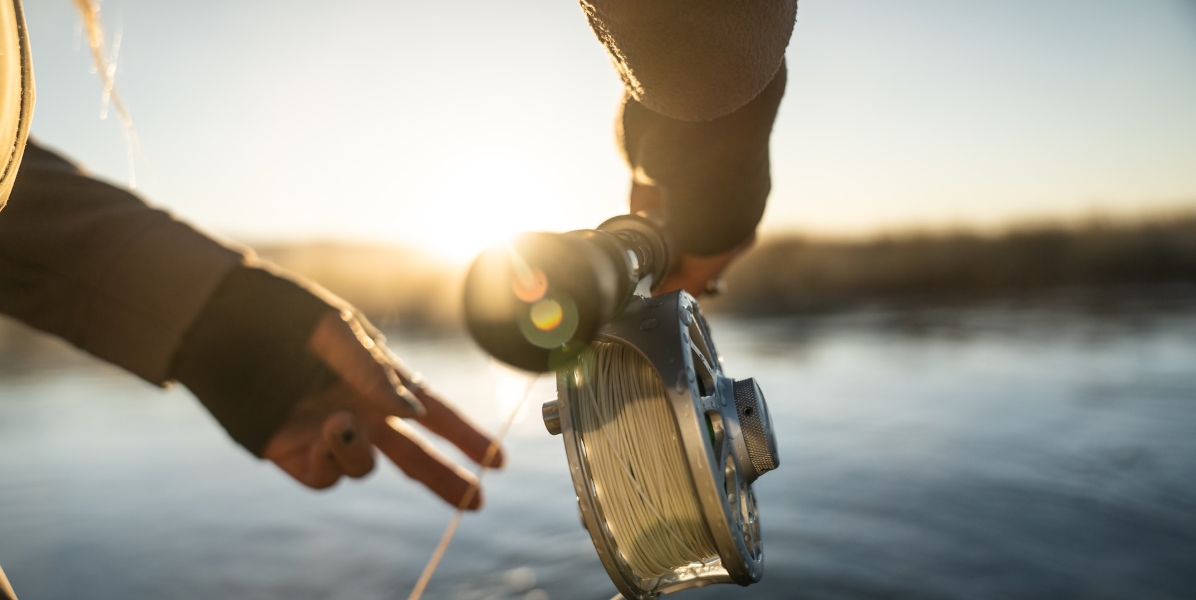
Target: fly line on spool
column 662, row 445
column 637, row 462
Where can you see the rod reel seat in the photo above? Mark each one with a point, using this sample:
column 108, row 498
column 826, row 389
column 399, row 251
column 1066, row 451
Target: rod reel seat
column 663, row 447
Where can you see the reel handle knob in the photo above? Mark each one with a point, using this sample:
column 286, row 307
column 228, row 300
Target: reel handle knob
column 755, row 423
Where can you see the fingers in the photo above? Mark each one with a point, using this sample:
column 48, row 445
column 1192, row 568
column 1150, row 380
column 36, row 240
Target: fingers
column 695, row 274
column 423, row 463
column 442, row 419
column 348, row 444
column 343, row 345
column 380, row 380
column 322, row 468
column 700, row 274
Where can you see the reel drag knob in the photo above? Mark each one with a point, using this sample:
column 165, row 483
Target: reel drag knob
column 755, row 423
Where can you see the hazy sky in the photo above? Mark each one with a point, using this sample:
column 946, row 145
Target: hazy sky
column 450, row 123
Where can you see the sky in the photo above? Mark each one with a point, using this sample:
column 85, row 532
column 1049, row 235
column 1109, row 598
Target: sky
column 451, row 125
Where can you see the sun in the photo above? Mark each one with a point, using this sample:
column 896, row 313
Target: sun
column 486, row 198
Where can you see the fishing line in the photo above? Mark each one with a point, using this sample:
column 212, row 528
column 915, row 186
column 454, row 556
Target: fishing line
column 451, row 530
column 640, row 475
column 641, row 478
column 105, row 66
column 662, row 445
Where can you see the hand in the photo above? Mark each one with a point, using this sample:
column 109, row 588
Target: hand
column 695, row 274
column 700, row 274
column 334, row 432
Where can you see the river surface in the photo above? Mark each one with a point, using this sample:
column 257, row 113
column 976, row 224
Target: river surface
column 982, row 453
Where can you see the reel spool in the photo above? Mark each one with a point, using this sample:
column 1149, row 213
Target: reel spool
column 697, row 523
column 663, row 447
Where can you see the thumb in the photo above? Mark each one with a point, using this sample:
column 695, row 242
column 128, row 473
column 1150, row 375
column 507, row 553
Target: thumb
column 340, row 342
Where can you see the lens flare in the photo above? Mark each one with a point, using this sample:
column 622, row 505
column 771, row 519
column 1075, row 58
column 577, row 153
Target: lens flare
column 547, row 314
column 529, row 286
column 549, row 323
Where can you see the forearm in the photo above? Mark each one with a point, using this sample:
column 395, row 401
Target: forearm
column 246, row 356
column 713, row 176
column 694, row 60
column 95, row 265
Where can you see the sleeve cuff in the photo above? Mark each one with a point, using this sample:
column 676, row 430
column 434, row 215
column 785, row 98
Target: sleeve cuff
column 246, row 357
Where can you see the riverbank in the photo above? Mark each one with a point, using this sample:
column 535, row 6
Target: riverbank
column 1094, row 262
column 1131, row 267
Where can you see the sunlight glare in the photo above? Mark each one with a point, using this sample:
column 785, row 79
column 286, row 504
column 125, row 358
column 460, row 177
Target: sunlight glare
column 510, row 385
column 529, row 285
column 485, row 198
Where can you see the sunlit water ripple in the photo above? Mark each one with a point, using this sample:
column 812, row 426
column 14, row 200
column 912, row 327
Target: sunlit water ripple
column 951, row 454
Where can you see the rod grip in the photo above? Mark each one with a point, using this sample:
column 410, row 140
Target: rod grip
column 536, row 301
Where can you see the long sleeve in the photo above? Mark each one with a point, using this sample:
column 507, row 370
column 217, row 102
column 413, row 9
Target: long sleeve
column 713, row 175
column 95, row 265
column 694, row 60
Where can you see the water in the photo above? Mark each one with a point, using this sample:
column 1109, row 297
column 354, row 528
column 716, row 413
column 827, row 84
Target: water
column 941, row 454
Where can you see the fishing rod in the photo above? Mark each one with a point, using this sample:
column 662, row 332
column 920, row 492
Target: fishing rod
column 663, row 446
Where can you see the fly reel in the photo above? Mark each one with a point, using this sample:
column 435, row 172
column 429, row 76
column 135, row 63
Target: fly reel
column 663, row 447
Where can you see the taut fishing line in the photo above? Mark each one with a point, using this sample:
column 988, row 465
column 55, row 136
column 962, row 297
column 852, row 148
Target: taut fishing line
column 434, row 561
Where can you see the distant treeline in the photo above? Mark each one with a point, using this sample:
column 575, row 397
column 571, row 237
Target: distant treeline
column 1140, row 260
column 805, row 274
column 796, row 274
column 391, row 285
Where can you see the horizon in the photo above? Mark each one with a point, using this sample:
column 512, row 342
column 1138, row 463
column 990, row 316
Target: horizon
column 1072, row 224
column 399, row 120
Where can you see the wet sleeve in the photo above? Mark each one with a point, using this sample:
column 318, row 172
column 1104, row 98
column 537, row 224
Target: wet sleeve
column 714, row 175
column 94, row 264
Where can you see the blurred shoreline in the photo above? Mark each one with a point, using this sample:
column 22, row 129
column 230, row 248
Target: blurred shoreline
column 1095, row 263
column 1143, row 264
column 1100, row 269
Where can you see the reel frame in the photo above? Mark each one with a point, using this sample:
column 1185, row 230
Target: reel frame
column 670, row 332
